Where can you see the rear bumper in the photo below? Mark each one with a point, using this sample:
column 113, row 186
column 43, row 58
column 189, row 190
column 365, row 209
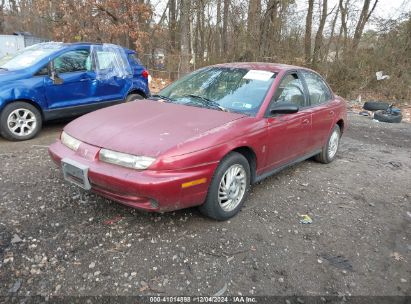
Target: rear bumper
column 149, row 190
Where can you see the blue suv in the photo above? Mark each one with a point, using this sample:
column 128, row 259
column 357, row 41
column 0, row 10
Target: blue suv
column 50, row 81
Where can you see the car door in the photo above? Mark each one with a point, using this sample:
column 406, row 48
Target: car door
column 288, row 133
column 114, row 76
column 76, row 79
column 322, row 109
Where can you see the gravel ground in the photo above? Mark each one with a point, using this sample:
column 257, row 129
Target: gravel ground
column 57, row 240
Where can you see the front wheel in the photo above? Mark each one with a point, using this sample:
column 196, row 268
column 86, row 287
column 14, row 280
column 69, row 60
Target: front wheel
column 228, row 188
column 20, row 121
column 329, row 151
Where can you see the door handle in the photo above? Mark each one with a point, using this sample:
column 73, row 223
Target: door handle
column 85, row 79
column 306, row 121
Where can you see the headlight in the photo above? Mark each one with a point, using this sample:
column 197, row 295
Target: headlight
column 125, row 160
column 70, row 142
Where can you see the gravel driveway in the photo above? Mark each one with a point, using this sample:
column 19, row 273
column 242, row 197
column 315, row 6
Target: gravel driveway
column 57, row 240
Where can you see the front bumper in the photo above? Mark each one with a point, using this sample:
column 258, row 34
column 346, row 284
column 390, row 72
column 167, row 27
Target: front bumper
column 149, row 190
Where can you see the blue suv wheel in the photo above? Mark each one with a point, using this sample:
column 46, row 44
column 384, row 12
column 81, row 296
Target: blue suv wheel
column 20, row 121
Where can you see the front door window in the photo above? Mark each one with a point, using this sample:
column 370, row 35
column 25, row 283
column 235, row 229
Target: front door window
column 73, row 61
column 290, row 90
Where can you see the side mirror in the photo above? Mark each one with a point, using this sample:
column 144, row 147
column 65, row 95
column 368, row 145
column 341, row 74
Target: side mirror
column 283, row 108
column 53, row 74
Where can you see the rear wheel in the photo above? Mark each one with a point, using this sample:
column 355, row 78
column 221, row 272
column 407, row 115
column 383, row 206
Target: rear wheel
column 133, row 97
column 329, row 151
column 228, row 188
column 20, row 121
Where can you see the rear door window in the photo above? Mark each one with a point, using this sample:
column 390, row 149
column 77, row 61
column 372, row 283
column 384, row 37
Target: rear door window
column 106, row 60
column 318, row 90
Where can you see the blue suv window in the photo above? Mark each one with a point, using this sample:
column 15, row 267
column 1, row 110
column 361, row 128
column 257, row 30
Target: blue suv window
column 73, row 61
column 106, row 60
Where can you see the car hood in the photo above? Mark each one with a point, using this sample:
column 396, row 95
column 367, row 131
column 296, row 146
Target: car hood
column 11, row 75
column 145, row 127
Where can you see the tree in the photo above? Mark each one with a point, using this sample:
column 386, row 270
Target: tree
column 185, row 36
column 319, row 35
column 172, row 26
column 200, row 31
column 218, row 37
column 224, row 36
column 269, row 32
column 331, row 39
column 364, row 16
column 2, row 16
column 112, row 21
column 253, row 26
column 308, row 30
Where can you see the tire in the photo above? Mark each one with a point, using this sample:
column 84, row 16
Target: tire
column 23, row 114
column 220, row 209
column 133, row 97
column 375, row 106
column 390, row 118
column 329, row 151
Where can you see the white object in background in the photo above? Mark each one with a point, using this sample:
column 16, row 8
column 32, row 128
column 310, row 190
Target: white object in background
column 149, row 78
column 380, row 75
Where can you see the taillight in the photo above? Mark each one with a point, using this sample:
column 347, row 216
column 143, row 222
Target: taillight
column 144, row 74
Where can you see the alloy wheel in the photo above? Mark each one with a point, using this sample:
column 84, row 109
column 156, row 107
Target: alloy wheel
column 232, row 187
column 333, row 144
column 21, row 122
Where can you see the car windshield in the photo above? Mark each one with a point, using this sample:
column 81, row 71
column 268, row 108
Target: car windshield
column 28, row 56
column 221, row 88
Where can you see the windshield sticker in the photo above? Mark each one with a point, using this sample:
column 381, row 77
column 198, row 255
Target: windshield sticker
column 258, row 75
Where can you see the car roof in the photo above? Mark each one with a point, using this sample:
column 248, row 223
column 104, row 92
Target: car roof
column 87, row 43
column 83, row 43
column 99, row 43
column 265, row 66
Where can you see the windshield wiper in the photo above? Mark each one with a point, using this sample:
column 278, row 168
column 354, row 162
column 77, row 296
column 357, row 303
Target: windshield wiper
column 208, row 102
column 162, row 97
column 1, row 68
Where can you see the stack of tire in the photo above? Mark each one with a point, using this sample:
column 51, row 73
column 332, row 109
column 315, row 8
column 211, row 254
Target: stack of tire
column 383, row 111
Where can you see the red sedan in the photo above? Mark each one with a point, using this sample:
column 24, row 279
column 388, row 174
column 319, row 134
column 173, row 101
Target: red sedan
column 204, row 139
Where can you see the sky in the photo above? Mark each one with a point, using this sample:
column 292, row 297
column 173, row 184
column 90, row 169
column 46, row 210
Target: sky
column 391, row 8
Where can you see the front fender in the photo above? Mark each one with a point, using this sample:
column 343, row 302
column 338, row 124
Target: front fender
column 217, row 145
column 27, row 89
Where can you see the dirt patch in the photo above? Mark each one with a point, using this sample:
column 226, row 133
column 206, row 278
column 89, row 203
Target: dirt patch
column 57, row 240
